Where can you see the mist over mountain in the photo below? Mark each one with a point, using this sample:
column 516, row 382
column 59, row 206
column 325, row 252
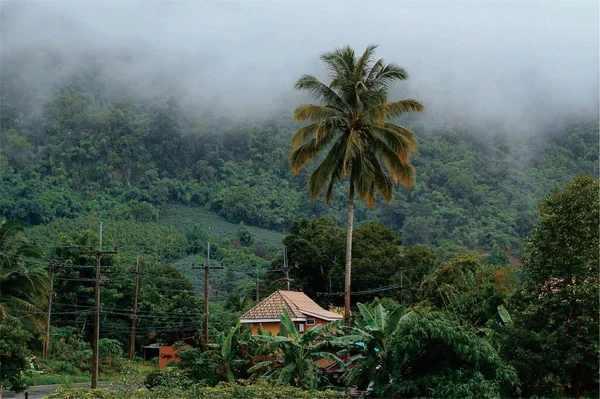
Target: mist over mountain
column 507, row 66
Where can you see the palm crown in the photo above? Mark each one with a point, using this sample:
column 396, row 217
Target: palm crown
column 352, row 122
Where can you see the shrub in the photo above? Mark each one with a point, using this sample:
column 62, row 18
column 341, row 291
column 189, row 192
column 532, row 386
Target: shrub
column 260, row 390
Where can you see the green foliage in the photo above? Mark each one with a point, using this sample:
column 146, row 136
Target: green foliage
column 317, row 246
column 433, row 355
column 14, row 354
column 415, row 262
column 198, row 239
column 467, row 288
column 240, row 390
column 171, row 378
column 23, row 284
column 554, row 339
column 371, row 337
column 186, row 218
column 244, row 235
column 228, row 359
column 110, row 157
column 293, row 361
column 110, row 352
column 68, row 353
column 375, row 254
column 150, row 239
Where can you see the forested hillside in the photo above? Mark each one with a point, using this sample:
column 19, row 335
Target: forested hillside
column 479, row 281
column 73, row 150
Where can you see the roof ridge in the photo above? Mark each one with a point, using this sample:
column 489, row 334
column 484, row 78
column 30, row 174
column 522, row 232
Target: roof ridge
column 289, row 301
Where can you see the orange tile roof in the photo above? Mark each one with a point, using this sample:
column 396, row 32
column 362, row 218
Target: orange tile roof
column 297, row 304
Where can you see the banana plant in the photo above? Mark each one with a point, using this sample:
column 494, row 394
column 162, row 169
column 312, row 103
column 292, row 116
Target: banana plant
column 293, row 362
column 228, row 358
column 369, row 338
column 232, row 357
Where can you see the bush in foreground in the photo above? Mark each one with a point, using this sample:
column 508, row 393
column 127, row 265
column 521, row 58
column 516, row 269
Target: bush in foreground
column 260, row 390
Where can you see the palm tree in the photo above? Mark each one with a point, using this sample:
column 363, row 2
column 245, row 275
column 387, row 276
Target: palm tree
column 352, row 125
column 23, row 290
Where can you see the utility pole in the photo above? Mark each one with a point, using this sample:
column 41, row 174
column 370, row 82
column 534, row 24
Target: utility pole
column 98, row 255
column 402, row 288
column 207, row 269
column 257, row 284
column 53, row 263
column 286, row 269
column 135, row 303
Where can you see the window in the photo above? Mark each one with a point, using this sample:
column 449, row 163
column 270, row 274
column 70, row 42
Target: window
column 310, row 322
column 300, row 327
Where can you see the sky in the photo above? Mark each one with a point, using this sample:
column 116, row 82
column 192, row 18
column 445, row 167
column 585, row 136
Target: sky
column 514, row 64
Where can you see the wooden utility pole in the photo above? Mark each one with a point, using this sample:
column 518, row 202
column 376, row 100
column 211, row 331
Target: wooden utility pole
column 286, row 269
column 135, row 303
column 98, row 255
column 257, row 283
column 53, row 263
column 402, row 286
column 207, row 269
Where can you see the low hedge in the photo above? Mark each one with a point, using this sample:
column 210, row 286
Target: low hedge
column 259, row 390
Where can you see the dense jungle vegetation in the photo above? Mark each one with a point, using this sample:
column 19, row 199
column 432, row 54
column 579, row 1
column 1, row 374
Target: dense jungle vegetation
column 480, row 281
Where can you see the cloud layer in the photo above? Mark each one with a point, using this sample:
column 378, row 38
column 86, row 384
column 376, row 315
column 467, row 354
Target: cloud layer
column 516, row 65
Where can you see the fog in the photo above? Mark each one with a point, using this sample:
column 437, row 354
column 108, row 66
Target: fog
column 515, row 65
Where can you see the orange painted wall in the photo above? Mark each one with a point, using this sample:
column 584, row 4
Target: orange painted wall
column 274, row 327
column 166, row 354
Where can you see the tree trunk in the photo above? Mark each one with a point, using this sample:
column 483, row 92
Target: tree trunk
column 347, row 316
column 576, row 382
column 1, row 388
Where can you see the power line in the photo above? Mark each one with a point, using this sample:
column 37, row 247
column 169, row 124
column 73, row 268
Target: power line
column 366, row 292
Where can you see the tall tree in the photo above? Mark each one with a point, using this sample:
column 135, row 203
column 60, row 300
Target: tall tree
column 352, row 125
column 554, row 343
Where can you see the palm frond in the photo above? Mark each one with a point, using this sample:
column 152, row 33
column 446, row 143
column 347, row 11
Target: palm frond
column 317, row 130
column 398, row 170
column 375, row 69
column 388, row 74
column 318, row 89
column 382, row 182
column 363, row 174
column 316, row 113
column 363, row 62
column 331, row 163
column 400, row 140
column 397, row 108
column 306, row 152
column 340, row 62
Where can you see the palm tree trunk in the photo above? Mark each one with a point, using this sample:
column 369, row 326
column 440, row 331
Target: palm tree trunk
column 348, row 270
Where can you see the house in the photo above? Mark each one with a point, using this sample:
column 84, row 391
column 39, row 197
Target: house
column 304, row 312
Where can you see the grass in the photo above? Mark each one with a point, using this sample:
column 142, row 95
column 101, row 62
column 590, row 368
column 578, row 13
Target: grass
column 184, row 217
column 44, row 379
column 61, row 379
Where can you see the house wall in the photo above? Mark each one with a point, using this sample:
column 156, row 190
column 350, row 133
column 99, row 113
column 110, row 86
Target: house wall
column 271, row 327
column 274, row 327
